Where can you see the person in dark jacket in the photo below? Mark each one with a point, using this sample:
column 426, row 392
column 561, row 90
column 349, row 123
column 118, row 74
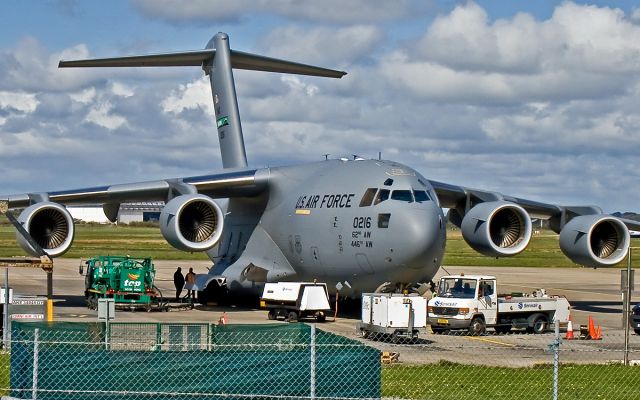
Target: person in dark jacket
column 178, row 281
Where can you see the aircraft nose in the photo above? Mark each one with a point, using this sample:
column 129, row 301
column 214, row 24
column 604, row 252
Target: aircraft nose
column 422, row 231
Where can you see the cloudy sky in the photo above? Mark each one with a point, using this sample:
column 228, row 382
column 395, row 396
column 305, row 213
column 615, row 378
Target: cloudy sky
column 534, row 99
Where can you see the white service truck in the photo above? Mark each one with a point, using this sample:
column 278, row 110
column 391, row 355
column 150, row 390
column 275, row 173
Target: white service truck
column 471, row 302
column 399, row 315
column 294, row 300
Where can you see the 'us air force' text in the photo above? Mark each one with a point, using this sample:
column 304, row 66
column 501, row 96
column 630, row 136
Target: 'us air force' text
column 325, row 201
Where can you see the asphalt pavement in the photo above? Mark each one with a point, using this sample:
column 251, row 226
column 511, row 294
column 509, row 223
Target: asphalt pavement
column 591, row 292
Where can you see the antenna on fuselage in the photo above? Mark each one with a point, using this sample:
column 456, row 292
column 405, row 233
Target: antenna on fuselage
column 217, row 60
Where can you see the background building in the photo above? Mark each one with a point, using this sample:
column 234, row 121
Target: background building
column 128, row 213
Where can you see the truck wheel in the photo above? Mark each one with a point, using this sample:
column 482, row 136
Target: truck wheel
column 272, row 314
column 321, row 317
column 292, row 316
column 438, row 331
column 477, row 326
column 538, row 326
column 364, row 334
column 637, row 331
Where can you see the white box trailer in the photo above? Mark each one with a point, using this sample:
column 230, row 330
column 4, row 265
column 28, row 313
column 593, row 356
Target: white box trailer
column 295, row 300
column 399, row 315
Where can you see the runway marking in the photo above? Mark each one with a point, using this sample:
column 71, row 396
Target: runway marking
column 491, row 341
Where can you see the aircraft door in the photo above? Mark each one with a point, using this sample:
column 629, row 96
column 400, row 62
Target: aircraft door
column 488, row 301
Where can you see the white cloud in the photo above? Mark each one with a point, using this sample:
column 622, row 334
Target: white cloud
column 581, row 52
column 101, row 114
column 576, row 37
column 193, row 95
column 23, row 102
column 120, row 89
column 84, row 96
column 323, row 46
column 542, row 109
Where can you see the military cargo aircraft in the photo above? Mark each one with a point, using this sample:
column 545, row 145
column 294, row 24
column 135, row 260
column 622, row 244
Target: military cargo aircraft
column 360, row 225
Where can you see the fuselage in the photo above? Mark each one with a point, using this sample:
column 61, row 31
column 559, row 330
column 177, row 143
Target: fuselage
column 359, row 223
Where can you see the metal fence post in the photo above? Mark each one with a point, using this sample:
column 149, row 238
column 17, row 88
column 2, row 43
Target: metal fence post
column 556, row 358
column 34, row 386
column 312, row 383
column 626, row 304
column 5, row 317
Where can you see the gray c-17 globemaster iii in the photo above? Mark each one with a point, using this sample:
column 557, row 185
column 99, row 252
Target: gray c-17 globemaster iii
column 363, row 225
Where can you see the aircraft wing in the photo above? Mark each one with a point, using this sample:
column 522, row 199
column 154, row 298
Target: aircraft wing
column 461, row 199
column 226, row 183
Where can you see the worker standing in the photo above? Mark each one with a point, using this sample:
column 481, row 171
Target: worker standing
column 178, row 281
column 191, row 283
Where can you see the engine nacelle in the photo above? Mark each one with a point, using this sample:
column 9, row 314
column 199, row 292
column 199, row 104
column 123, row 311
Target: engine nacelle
column 50, row 225
column 497, row 228
column 595, row 240
column 192, row 222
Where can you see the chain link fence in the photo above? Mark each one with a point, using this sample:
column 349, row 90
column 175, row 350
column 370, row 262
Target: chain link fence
column 301, row 361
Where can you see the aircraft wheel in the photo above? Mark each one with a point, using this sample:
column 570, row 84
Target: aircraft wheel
column 321, row 317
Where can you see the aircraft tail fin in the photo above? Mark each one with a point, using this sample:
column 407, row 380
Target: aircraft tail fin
column 217, row 60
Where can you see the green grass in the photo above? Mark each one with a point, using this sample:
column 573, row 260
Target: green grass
column 4, row 373
column 451, row 381
column 95, row 239
column 543, row 251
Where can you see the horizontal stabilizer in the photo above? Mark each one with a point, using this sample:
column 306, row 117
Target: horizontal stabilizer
column 255, row 62
column 239, row 60
column 182, row 59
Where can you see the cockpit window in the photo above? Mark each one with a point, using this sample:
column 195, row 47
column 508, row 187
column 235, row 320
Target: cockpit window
column 383, row 195
column 368, row 197
column 402, row 195
column 388, row 182
column 421, row 196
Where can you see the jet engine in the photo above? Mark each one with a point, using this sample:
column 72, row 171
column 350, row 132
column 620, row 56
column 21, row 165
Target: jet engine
column 595, row 240
column 497, row 228
column 191, row 222
column 50, row 225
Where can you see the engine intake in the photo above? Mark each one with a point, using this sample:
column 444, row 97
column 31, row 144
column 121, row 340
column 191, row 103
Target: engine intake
column 191, row 222
column 50, row 225
column 595, row 240
column 497, row 228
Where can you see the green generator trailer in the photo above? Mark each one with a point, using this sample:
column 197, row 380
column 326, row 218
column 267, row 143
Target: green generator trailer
column 127, row 280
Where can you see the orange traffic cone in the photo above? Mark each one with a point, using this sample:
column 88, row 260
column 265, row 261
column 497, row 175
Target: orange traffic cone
column 598, row 333
column 569, row 335
column 223, row 319
column 592, row 329
column 594, row 334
